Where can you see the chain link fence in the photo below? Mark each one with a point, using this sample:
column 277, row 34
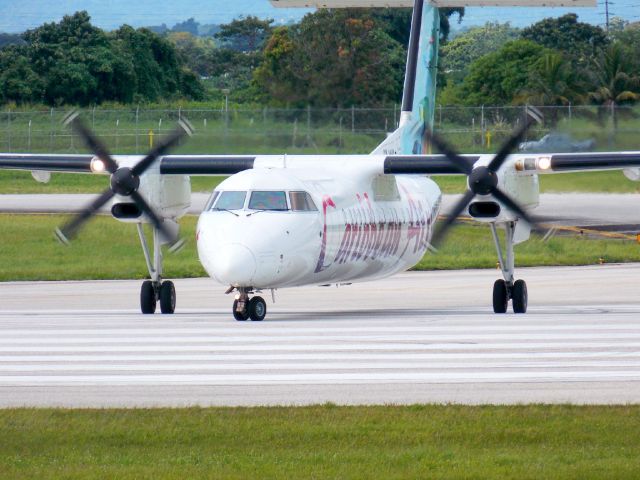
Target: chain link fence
column 309, row 130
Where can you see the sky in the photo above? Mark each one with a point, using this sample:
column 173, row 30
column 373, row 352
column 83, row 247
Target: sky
column 17, row 16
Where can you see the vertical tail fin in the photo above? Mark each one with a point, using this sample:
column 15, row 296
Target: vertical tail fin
column 418, row 98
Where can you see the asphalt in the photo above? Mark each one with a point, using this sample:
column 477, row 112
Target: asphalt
column 417, row 337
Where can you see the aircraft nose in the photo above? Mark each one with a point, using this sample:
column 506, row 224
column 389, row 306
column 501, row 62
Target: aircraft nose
column 234, row 264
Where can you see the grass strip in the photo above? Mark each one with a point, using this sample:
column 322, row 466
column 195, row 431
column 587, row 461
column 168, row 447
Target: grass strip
column 108, row 249
column 386, row 442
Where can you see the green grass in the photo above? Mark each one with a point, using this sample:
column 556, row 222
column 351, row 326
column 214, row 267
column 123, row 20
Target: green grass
column 385, row 442
column 109, row 249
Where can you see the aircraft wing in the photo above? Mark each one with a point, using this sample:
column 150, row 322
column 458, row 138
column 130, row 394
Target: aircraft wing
column 534, row 163
column 170, row 164
column 392, row 164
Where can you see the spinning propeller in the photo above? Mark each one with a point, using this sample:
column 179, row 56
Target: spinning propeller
column 482, row 180
column 124, row 181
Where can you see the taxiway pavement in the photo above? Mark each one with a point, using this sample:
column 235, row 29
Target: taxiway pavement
column 413, row 338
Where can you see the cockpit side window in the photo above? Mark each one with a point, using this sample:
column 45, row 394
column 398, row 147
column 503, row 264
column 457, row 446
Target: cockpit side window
column 212, row 199
column 268, row 200
column 302, row 202
column 230, row 201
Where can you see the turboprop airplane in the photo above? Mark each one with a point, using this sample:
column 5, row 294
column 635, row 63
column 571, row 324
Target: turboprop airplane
column 290, row 220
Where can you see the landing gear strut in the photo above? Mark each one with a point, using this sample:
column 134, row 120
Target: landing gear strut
column 245, row 308
column 155, row 290
column 508, row 289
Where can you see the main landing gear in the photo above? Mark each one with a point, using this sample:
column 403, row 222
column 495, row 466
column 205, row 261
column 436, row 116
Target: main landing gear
column 508, row 289
column 155, row 290
column 245, row 308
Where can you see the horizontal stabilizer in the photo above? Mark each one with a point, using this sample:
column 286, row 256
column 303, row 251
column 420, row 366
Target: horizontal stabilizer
column 437, row 3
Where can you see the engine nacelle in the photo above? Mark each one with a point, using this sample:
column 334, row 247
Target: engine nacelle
column 523, row 187
column 168, row 195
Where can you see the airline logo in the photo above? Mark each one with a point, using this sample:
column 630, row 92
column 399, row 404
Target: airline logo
column 368, row 238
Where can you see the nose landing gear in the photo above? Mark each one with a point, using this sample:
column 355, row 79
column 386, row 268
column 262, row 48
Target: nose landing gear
column 245, row 308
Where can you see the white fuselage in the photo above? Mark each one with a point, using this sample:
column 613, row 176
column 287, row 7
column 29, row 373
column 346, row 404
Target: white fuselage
column 364, row 226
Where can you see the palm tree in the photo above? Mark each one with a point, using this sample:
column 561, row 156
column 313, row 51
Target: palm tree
column 614, row 81
column 553, row 82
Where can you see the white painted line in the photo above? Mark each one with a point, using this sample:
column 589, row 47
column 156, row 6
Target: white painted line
column 377, row 356
column 357, row 347
column 470, row 328
column 321, row 378
column 364, row 338
column 230, row 367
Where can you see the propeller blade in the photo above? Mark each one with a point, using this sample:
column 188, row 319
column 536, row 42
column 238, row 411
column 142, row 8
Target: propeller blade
column 72, row 119
column 155, row 219
column 511, row 205
column 441, row 231
column 456, row 160
column 533, row 115
column 69, row 230
column 184, row 128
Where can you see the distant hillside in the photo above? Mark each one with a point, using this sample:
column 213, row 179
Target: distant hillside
column 19, row 16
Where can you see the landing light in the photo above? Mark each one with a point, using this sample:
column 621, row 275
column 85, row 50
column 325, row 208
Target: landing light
column 544, row 163
column 97, row 165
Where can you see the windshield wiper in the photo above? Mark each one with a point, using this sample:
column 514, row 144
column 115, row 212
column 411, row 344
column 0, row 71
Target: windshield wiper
column 225, row 210
column 258, row 210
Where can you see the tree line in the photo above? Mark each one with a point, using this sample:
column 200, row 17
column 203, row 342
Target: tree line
column 557, row 61
column 330, row 58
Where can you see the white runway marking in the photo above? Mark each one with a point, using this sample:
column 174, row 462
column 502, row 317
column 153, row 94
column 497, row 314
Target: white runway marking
column 425, row 349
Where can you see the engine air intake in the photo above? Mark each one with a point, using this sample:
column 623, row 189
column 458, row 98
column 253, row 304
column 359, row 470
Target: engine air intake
column 484, row 209
column 126, row 210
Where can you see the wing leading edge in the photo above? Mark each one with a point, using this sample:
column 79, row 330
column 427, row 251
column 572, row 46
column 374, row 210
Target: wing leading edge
column 392, row 164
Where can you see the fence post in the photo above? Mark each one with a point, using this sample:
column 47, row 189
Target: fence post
column 93, row 118
column 137, row 118
column 353, row 119
column 29, row 138
column 51, row 130
column 473, row 129
column 482, row 125
column 308, row 124
column 395, row 122
column 9, row 127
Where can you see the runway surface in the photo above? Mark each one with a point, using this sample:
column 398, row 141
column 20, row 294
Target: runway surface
column 417, row 337
column 574, row 208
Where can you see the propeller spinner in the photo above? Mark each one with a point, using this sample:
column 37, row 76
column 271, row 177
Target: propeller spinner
column 124, row 181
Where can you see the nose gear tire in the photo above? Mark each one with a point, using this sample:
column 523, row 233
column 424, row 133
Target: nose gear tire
column 240, row 316
column 257, row 309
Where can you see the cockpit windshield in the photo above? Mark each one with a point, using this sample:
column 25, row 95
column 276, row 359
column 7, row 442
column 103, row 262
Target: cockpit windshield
column 261, row 200
column 230, row 201
column 268, row 200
